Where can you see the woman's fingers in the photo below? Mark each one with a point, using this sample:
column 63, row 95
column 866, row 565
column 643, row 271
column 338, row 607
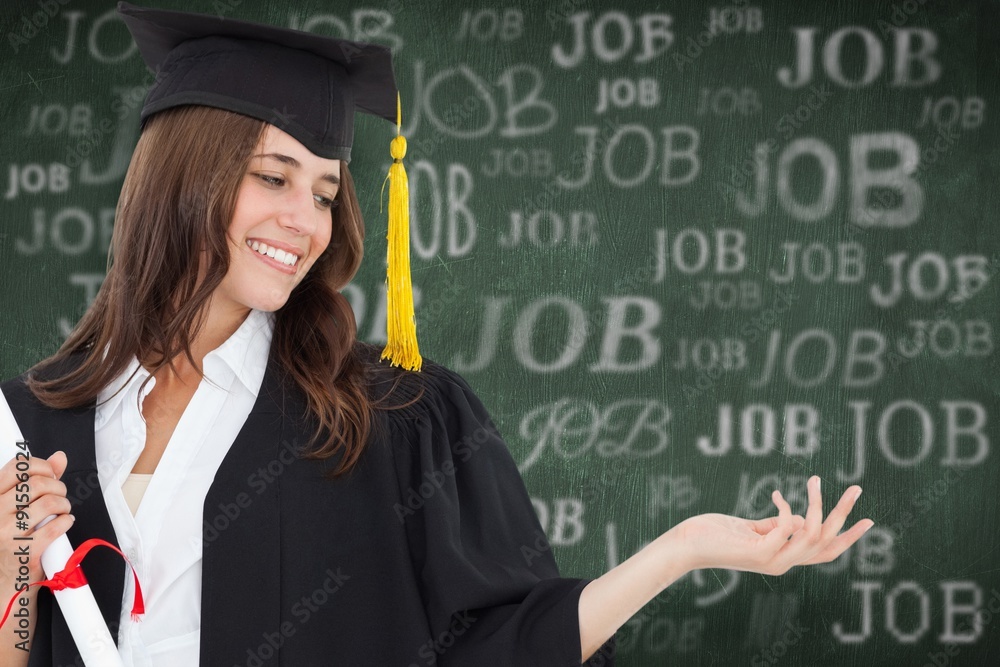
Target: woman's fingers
column 838, row 515
column 841, row 543
column 47, row 534
column 784, row 525
column 819, row 541
column 17, row 470
column 37, row 498
column 34, row 492
column 58, row 461
column 35, row 487
column 806, row 541
column 45, row 506
column 764, row 526
column 814, row 514
column 23, row 508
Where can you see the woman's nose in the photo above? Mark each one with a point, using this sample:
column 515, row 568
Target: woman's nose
column 298, row 212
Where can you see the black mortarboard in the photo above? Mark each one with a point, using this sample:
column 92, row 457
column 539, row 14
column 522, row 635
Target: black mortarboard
column 307, row 85
column 304, row 84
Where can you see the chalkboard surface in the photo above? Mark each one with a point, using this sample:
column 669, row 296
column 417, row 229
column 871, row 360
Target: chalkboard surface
column 685, row 252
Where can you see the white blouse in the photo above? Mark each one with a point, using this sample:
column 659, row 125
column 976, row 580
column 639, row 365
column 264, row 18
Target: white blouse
column 163, row 540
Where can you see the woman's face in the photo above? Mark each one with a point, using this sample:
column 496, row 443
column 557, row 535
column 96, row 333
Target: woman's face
column 281, row 225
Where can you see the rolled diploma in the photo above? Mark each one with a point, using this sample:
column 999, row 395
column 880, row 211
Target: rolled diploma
column 78, row 605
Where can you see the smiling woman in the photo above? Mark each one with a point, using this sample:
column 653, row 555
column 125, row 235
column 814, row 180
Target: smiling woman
column 213, row 279
column 283, row 208
column 285, row 497
column 219, row 366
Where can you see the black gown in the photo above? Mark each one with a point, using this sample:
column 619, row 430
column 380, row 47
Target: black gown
column 428, row 553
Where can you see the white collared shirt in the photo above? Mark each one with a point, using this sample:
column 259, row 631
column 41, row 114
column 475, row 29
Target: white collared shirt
column 164, row 538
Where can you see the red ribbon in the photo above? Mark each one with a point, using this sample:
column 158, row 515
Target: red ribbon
column 72, row 576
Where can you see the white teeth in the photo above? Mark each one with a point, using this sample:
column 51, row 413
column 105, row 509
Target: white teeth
column 283, row 256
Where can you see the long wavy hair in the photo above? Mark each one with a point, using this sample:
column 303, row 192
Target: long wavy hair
column 169, row 252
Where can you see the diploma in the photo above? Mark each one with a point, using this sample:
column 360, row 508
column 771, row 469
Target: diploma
column 77, row 604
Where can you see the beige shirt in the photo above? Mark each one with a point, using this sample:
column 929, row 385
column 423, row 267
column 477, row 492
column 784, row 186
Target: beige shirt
column 134, row 488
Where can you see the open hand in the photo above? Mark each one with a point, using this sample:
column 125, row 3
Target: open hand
column 776, row 544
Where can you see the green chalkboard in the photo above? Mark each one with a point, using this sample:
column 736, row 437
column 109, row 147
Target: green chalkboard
column 685, row 252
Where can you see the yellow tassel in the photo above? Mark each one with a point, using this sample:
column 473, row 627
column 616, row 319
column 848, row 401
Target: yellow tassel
column 401, row 327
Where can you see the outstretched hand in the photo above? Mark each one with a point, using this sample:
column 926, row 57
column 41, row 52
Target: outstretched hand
column 776, row 544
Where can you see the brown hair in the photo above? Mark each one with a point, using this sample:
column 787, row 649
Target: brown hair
column 177, row 200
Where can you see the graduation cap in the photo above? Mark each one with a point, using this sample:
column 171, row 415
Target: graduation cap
column 304, row 84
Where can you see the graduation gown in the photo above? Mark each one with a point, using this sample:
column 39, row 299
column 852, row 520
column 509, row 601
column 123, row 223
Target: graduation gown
column 428, row 553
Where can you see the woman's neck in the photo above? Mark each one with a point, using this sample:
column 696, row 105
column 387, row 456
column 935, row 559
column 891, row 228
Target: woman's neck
column 220, row 323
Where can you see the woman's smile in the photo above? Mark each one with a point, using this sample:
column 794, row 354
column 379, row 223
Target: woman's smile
column 283, row 260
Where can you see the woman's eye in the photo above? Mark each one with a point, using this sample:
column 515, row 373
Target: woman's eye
column 271, row 180
column 326, row 202
column 278, row 181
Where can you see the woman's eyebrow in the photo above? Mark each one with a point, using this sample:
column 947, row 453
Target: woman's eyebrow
column 292, row 162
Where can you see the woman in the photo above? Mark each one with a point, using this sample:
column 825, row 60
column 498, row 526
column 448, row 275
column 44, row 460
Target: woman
column 285, row 497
